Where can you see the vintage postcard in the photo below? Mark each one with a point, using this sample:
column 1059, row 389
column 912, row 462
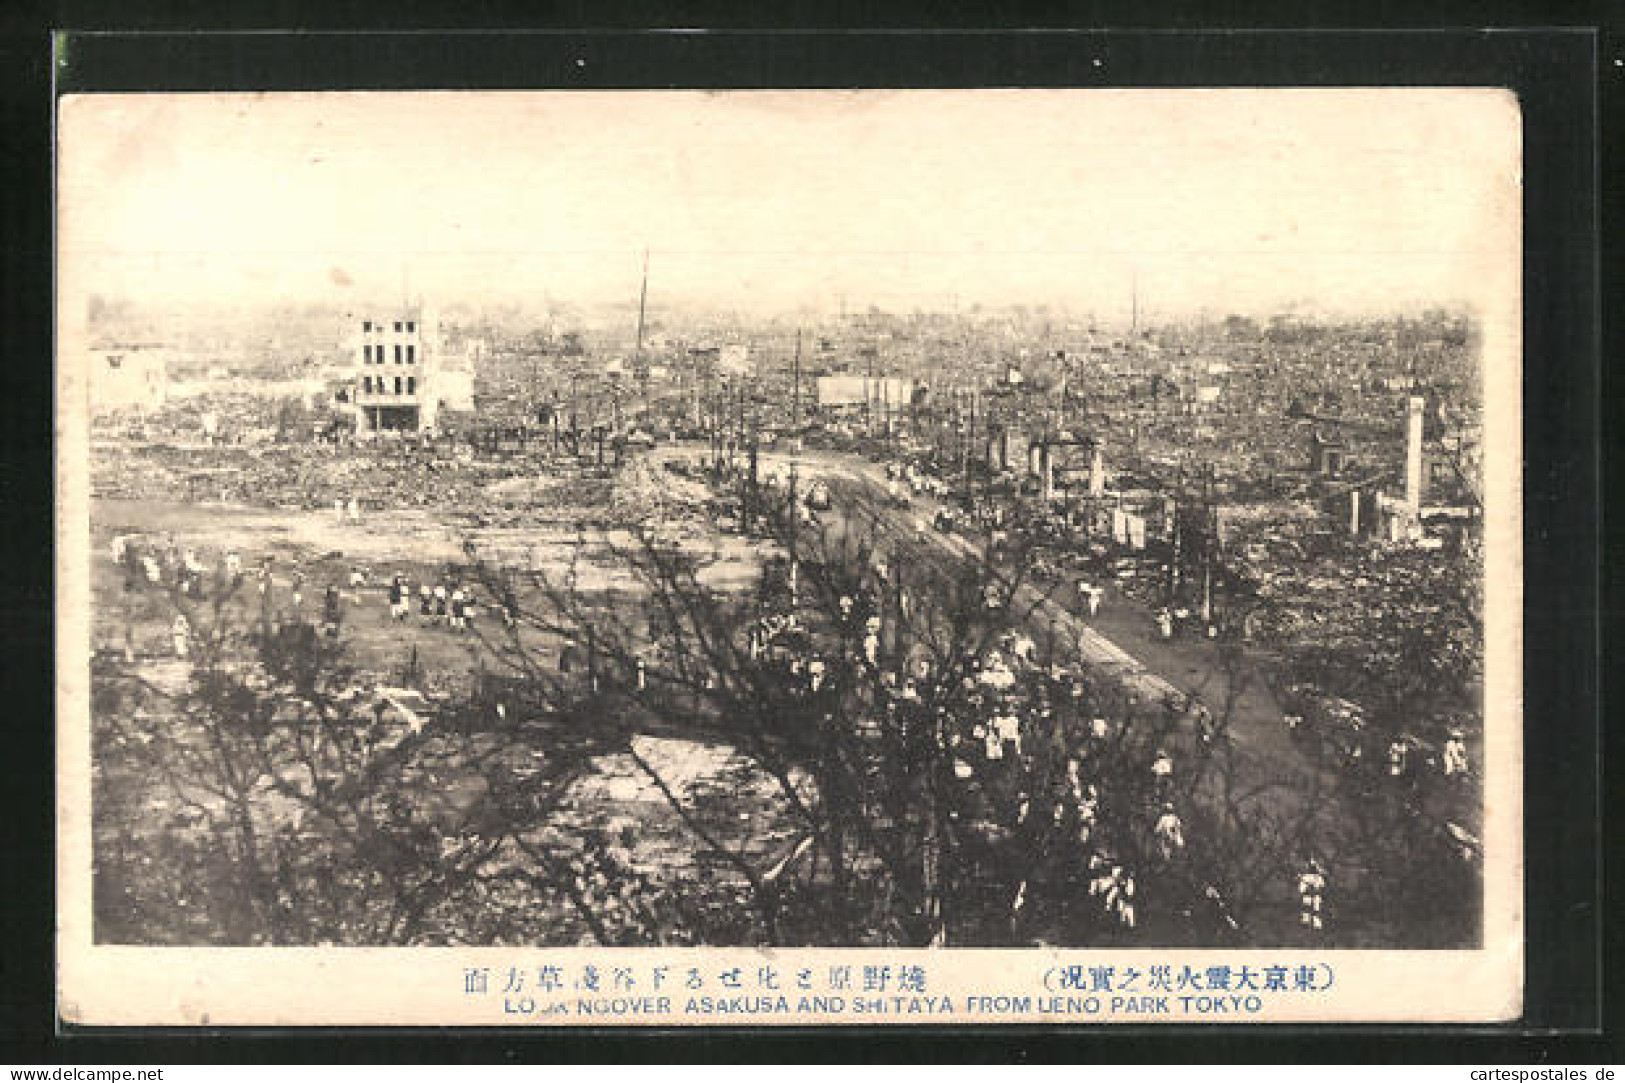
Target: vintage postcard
column 762, row 558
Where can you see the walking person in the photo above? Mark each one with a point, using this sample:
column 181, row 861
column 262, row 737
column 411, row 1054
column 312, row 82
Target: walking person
column 1311, row 896
column 1454, row 761
column 1170, row 833
column 330, row 611
column 397, row 599
column 180, row 634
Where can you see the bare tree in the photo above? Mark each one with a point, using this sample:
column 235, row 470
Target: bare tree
column 267, row 793
column 939, row 780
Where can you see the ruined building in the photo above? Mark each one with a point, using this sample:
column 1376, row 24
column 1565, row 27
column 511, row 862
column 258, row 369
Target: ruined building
column 403, row 376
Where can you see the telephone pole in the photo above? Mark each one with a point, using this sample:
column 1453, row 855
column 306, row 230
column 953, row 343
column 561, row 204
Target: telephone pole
column 1209, row 528
column 643, row 299
column 795, row 393
column 869, row 393
column 1175, row 540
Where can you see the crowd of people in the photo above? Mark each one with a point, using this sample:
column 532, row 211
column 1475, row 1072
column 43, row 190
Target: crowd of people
column 1078, row 794
column 160, row 563
column 1048, row 764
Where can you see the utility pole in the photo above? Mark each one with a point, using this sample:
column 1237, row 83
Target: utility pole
column 897, row 642
column 970, row 439
column 1060, row 401
column 643, row 298
column 869, row 394
column 795, row 393
column 1175, row 539
column 794, row 530
column 1209, row 525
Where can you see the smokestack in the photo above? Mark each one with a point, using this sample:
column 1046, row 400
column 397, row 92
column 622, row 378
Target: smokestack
column 1354, row 512
column 1413, row 457
column 1097, row 470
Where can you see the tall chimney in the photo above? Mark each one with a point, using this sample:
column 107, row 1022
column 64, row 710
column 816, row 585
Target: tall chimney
column 1413, row 457
column 1097, row 470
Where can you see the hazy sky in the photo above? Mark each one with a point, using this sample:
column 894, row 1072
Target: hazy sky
column 1217, row 200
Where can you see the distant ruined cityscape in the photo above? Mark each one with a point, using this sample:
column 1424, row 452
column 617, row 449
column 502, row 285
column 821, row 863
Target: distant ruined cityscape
column 649, row 625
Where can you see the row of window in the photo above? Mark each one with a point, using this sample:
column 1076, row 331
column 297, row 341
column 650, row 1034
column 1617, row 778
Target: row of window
column 411, row 326
column 380, row 386
column 375, row 355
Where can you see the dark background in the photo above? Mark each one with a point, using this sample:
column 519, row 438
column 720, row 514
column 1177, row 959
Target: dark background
column 1567, row 79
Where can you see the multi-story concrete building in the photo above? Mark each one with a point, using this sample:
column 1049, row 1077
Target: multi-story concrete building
column 397, row 360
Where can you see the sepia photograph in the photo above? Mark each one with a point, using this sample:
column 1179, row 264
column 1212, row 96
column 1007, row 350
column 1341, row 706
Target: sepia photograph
column 984, row 519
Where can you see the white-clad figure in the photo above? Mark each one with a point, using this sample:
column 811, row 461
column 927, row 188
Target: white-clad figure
column 120, row 545
column 1467, row 844
column 181, row 635
column 1088, row 813
column 338, row 509
column 1399, row 756
column 815, row 674
column 1163, row 767
column 1074, row 783
column 1311, row 895
column 234, row 564
column 1007, row 728
column 1098, row 729
column 1455, row 755
column 355, row 510
column 154, row 573
column 191, row 572
column 1203, row 721
column 995, row 674
column 871, row 643
column 1170, row 832
column 1115, row 889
